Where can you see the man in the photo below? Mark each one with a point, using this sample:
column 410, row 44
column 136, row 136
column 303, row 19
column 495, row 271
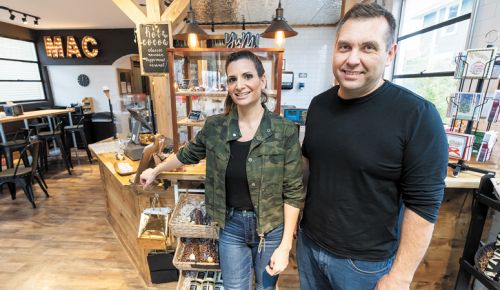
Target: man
column 370, row 147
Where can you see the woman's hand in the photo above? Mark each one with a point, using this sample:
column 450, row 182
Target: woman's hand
column 278, row 262
column 147, row 177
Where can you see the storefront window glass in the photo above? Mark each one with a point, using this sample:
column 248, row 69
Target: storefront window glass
column 431, row 34
column 20, row 78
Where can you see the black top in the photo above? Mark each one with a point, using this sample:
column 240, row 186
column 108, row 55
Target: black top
column 237, row 191
column 367, row 156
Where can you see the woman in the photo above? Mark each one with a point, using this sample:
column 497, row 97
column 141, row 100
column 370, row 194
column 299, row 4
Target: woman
column 253, row 185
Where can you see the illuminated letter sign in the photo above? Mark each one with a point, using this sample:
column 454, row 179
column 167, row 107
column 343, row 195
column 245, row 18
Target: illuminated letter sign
column 53, row 48
column 89, row 53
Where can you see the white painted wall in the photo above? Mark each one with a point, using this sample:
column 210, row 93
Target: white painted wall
column 487, row 19
column 309, row 52
column 66, row 90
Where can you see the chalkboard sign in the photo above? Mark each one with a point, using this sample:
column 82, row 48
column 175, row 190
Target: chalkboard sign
column 154, row 39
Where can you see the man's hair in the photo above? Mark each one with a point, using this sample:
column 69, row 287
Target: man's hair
column 371, row 10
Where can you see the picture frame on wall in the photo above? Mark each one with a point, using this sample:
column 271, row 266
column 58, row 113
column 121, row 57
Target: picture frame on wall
column 480, row 63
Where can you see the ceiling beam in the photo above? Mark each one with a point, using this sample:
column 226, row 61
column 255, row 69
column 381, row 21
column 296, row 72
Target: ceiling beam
column 346, row 5
column 174, row 11
column 131, row 10
column 153, row 9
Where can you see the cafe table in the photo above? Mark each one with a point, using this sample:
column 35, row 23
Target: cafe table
column 32, row 115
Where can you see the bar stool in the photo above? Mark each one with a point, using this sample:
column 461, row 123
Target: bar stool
column 37, row 127
column 78, row 128
column 55, row 135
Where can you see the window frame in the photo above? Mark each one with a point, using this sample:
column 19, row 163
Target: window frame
column 449, row 22
column 37, row 62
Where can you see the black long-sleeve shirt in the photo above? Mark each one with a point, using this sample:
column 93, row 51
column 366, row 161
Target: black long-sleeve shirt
column 368, row 156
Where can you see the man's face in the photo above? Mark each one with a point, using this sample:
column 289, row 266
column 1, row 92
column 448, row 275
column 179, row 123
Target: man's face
column 360, row 56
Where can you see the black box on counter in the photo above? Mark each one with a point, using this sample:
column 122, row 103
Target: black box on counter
column 14, row 110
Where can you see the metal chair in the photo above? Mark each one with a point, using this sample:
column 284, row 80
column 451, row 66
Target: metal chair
column 24, row 176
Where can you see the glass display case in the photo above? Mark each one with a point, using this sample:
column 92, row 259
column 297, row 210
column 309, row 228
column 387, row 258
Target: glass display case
column 198, row 85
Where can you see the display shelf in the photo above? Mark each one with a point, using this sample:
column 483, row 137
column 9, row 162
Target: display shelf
column 490, row 284
column 189, row 123
column 480, row 206
column 204, row 69
column 215, row 94
column 489, row 201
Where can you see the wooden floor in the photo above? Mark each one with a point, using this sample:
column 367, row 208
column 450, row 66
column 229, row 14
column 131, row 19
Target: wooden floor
column 66, row 242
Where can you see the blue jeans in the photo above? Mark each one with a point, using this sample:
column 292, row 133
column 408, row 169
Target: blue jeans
column 238, row 252
column 320, row 269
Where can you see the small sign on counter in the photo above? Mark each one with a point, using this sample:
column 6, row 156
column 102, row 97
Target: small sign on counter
column 154, row 39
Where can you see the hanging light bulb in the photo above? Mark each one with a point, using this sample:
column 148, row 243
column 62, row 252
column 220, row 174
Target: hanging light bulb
column 191, row 32
column 279, row 28
column 192, row 40
column 279, row 38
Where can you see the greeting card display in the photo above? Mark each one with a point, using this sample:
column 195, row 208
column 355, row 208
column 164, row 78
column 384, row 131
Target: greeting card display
column 459, row 145
column 480, row 62
column 465, row 106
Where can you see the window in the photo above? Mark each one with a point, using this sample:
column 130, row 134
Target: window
column 430, row 36
column 20, row 79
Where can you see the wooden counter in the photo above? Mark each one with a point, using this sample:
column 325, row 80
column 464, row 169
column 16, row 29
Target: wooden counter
column 125, row 203
column 438, row 269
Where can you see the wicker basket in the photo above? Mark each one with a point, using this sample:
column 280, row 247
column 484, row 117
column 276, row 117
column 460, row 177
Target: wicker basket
column 191, row 266
column 188, row 230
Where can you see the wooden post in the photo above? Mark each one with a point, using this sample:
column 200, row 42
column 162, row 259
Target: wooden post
column 160, row 93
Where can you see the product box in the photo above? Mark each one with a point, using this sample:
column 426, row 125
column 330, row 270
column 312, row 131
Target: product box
column 13, row 110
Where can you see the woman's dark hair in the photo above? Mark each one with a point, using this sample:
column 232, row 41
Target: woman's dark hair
column 244, row 54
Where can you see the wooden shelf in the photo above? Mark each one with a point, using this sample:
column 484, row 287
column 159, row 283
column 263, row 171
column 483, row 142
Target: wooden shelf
column 190, row 123
column 215, row 94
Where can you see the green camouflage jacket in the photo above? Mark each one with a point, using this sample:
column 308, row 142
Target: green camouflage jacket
column 273, row 166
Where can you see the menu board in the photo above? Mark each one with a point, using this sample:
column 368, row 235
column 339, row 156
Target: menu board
column 154, row 39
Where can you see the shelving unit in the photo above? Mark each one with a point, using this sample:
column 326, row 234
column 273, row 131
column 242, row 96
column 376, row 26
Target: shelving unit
column 200, row 73
column 483, row 201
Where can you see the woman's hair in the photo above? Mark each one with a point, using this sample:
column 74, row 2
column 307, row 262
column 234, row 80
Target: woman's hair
column 244, row 54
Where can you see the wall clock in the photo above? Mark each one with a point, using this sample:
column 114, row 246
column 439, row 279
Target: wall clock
column 83, row 80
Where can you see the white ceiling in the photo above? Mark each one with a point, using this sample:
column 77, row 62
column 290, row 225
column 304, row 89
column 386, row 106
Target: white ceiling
column 91, row 14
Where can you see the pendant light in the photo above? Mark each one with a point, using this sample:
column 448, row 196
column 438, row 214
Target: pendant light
column 279, row 29
column 191, row 32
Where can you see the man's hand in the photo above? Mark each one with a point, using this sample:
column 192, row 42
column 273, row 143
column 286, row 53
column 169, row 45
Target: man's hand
column 388, row 282
column 147, row 177
column 278, row 262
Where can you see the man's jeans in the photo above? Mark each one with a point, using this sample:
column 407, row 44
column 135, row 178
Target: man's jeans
column 238, row 252
column 320, row 269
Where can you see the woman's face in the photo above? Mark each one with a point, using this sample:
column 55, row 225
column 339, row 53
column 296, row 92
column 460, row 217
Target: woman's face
column 243, row 83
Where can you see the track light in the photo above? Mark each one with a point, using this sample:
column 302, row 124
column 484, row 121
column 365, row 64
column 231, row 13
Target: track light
column 24, row 15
